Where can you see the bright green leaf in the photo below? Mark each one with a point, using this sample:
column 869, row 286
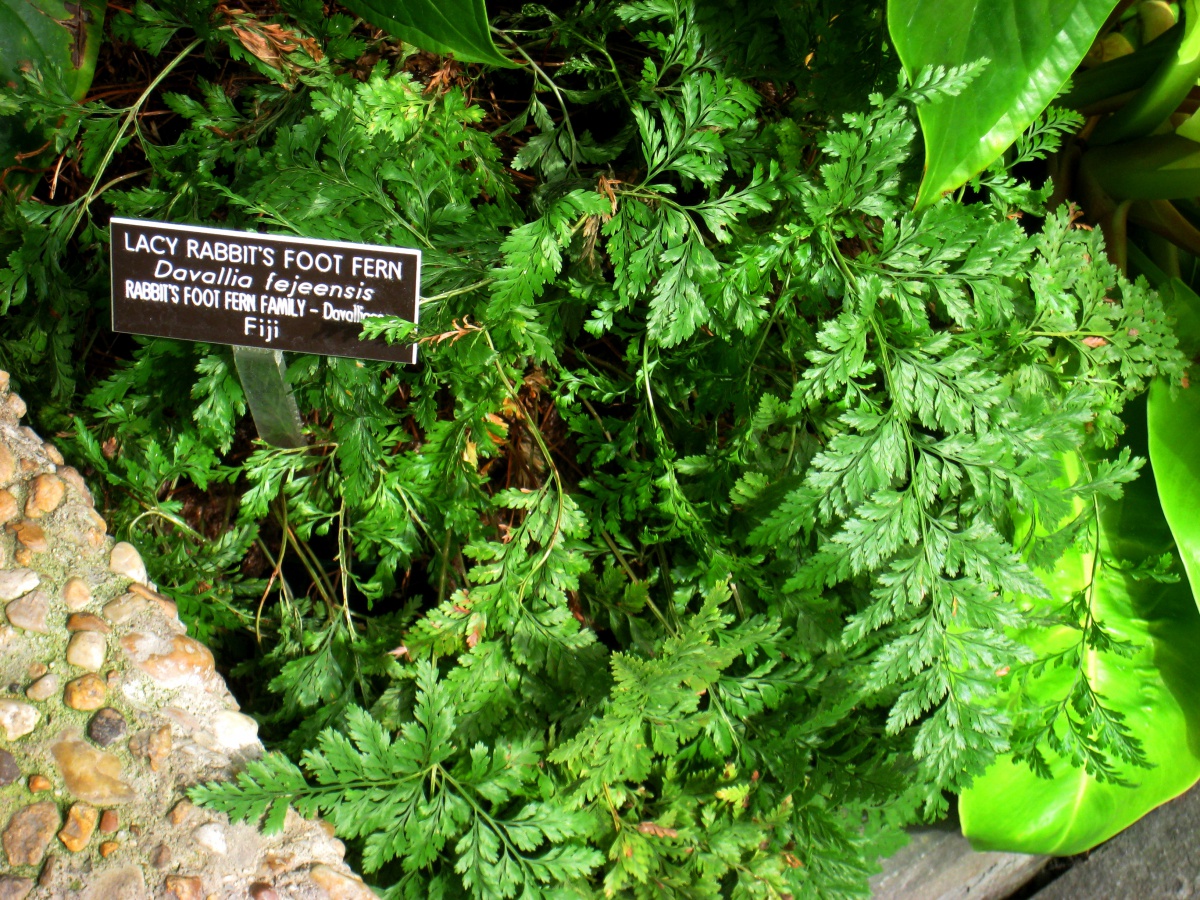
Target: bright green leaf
column 48, row 34
column 1173, row 418
column 1120, row 75
column 1163, row 91
column 1159, row 167
column 1033, row 47
column 447, row 26
column 51, row 32
column 1010, row 808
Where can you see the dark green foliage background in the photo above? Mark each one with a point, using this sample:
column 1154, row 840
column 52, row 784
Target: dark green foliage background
column 686, row 561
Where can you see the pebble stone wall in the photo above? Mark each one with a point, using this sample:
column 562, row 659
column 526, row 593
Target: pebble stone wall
column 109, row 712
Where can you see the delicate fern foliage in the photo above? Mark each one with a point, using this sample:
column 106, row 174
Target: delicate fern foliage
column 695, row 557
column 418, row 797
column 927, row 379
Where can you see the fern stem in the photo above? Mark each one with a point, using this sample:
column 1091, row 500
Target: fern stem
column 130, row 117
column 549, row 82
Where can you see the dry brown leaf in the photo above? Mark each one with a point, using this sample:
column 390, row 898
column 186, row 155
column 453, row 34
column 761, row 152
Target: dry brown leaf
column 258, row 45
column 268, row 41
column 654, row 830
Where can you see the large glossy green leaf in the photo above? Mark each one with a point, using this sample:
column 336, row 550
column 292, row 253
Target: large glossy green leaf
column 1159, row 167
column 1033, row 47
column 1163, row 91
column 51, row 35
column 1011, row 808
column 1122, row 74
column 1173, row 418
column 1175, row 454
column 445, row 26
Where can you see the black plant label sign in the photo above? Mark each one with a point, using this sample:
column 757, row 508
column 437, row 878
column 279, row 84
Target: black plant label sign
column 260, row 290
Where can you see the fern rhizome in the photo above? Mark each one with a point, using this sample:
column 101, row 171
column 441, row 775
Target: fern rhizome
column 689, row 559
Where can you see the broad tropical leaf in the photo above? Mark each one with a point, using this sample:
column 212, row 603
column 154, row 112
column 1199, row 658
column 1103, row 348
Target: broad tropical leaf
column 1154, row 691
column 1159, row 97
column 1159, row 167
column 1032, row 46
column 446, row 26
column 1173, row 418
column 51, row 35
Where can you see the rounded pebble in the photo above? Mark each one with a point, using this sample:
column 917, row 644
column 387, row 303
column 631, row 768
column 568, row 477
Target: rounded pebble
column 49, row 870
column 180, row 811
column 29, row 833
column 72, row 477
column 154, row 744
column 340, row 886
column 124, row 608
column 81, row 822
column 107, row 727
column 15, row 887
column 44, row 688
column 171, row 664
column 125, row 560
column 9, row 771
column 30, row 535
column 87, row 650
column 17, row 718
column 184, row 887
column 233, row 730
column 109, row 821
column 76, row 594
column 212, row 838
column 166, row 604
column 15, row 582
column 85, row 693
column 8, row 465
column 30, row 612
column 87, row 622
column 8, row 506
column 46, row 494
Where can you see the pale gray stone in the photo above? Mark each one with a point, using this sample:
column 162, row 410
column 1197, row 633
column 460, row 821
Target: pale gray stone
column 126, row 883
column 125, row 560
column 76, row 594
column 87, row 650
column 29, row 612
column 212, row 838
column 17, row 718
column 44, row 688
column 124, row 608
column 233, row 730
column 15, row 582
